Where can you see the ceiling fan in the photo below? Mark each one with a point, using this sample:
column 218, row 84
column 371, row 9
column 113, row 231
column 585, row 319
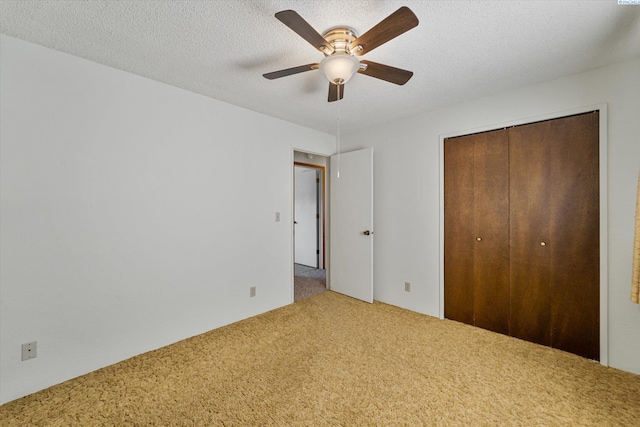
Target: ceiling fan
column 341, row 45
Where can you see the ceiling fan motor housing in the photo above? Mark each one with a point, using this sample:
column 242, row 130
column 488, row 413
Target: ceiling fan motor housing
column 340, row 65
column 340, row 38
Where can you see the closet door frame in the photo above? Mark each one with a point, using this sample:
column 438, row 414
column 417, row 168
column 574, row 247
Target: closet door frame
column 603, row 143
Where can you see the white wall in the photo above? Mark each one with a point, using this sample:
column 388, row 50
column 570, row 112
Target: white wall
column 126, row 225
column 407, row 175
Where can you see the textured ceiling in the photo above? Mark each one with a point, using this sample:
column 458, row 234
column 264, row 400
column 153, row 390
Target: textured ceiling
column 460, row 50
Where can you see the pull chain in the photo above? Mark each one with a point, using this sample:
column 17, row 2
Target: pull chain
column 338, row 134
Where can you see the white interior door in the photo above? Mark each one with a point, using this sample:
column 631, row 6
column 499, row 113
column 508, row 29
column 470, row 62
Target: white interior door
column 351, row 232
column 306, row 216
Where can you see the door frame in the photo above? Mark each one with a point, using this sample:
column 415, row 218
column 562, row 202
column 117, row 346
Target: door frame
column 323, row 210
column 604, row 254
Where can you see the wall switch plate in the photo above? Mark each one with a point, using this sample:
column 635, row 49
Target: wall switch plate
column 252, row 291
column 277, row 216
column 407, row 286
column 29, row 350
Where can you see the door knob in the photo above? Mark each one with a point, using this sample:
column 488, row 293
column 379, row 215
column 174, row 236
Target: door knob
column 479, row 239
column 367, row 232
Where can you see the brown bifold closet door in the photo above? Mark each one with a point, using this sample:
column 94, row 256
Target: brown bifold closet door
column 521, row 232
column 491, row 231
column 458, row 229
column 555, row 246
column 531, row 187
column 476, row 230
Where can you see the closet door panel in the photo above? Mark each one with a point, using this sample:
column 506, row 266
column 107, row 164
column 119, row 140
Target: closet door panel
column 530, row 261
column 575, row 245
column 458, row 227
column 491, row 231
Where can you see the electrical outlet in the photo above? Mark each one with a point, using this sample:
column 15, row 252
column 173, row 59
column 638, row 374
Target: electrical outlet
column 252, row 291
column 407, row 286
column 29, row 350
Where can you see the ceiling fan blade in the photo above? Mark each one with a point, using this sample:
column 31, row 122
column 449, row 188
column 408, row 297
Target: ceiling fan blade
column 294, row 21
column 392, row 26
column 290, row 71
column 385, row 72
column 336, row 92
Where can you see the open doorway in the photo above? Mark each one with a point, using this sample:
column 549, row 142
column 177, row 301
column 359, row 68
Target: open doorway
column 307, row 215
column 310, row 202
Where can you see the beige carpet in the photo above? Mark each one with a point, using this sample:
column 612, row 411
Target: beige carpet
column 330, row 360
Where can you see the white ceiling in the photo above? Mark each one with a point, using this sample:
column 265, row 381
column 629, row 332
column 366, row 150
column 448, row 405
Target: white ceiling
column 460, row 50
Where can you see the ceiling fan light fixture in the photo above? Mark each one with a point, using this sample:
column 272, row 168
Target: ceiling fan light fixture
column 339, row 67
column 341, row 45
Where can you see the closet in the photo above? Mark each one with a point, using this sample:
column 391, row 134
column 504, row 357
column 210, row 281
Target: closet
column 521, row 232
